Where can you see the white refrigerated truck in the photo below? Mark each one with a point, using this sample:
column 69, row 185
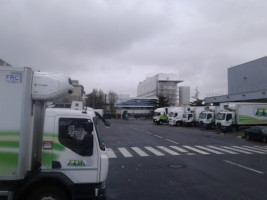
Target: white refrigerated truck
column 191, row 116
column 235, row 115
column 68, row 161
column 160, row 115
column 176, row 115
column 207, row 117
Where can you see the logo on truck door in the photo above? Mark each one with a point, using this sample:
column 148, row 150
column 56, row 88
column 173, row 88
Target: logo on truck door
column 79, row 163
column 14, row 78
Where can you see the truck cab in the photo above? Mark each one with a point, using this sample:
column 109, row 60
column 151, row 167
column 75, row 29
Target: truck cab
column 207, row 117
column 160, row 116
column 176, row 116
column 73, row 149
column 225, row 120
column 191, row 116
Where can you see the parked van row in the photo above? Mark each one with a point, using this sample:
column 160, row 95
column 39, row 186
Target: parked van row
column 226, row 117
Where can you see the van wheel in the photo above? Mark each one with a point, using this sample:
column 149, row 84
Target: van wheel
column 48, row 193
column 264, row 139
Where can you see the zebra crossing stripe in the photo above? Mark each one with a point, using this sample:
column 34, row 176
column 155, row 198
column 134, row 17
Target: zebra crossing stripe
column 196, row 150
column 111, row 153
column 154, row 151
column 179, row 149
column 250, row 150
column 255, row 148
column 139, row 152
column 125, row 152
column 224, row 150
column 210, row 150
column 262, row 147
column 168, row 150
column 238, row 150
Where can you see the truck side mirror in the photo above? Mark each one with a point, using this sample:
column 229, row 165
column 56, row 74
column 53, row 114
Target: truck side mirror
column 88, row 126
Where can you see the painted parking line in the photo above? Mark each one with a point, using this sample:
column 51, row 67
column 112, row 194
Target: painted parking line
column 244, row 167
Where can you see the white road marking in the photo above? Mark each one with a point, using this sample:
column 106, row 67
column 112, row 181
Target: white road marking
column 249, row 150
column 196, row 150
column 172, row 141
column 255, row 148
column 191, row 154
column 125, row 152
column 262, row 147
column 224, row 150
column 158, row 136
column 179, row 149
column 111, row 153
column 238, row 150
column 154, row 151
column 210, row 150
column 149, row 133
column 139, row 152
column 168, row 150
column 232, row 163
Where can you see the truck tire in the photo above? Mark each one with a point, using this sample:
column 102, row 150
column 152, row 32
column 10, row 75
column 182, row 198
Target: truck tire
column 48, row 192
column 264, row 139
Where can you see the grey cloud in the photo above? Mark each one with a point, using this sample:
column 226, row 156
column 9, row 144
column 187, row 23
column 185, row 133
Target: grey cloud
column 114, row 44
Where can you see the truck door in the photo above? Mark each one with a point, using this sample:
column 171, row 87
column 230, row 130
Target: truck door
column 77, row 154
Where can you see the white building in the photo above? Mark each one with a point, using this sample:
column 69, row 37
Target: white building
column 184, row 95
column 160, row 85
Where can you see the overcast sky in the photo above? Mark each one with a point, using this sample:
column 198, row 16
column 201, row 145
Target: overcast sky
column 114, row 44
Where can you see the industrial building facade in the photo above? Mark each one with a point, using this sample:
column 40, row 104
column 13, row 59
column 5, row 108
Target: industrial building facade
column 160, row 85
column 246, row 82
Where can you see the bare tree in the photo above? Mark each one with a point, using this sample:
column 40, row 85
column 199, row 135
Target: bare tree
column 112, row 98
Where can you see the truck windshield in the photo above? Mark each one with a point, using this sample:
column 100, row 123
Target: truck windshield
column 170, row 114
column 156, row 114
column 220, row 116
column 202, row 116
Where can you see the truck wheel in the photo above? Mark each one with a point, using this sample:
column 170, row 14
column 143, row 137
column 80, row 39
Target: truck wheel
column 264, row 139
column 48, row 193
